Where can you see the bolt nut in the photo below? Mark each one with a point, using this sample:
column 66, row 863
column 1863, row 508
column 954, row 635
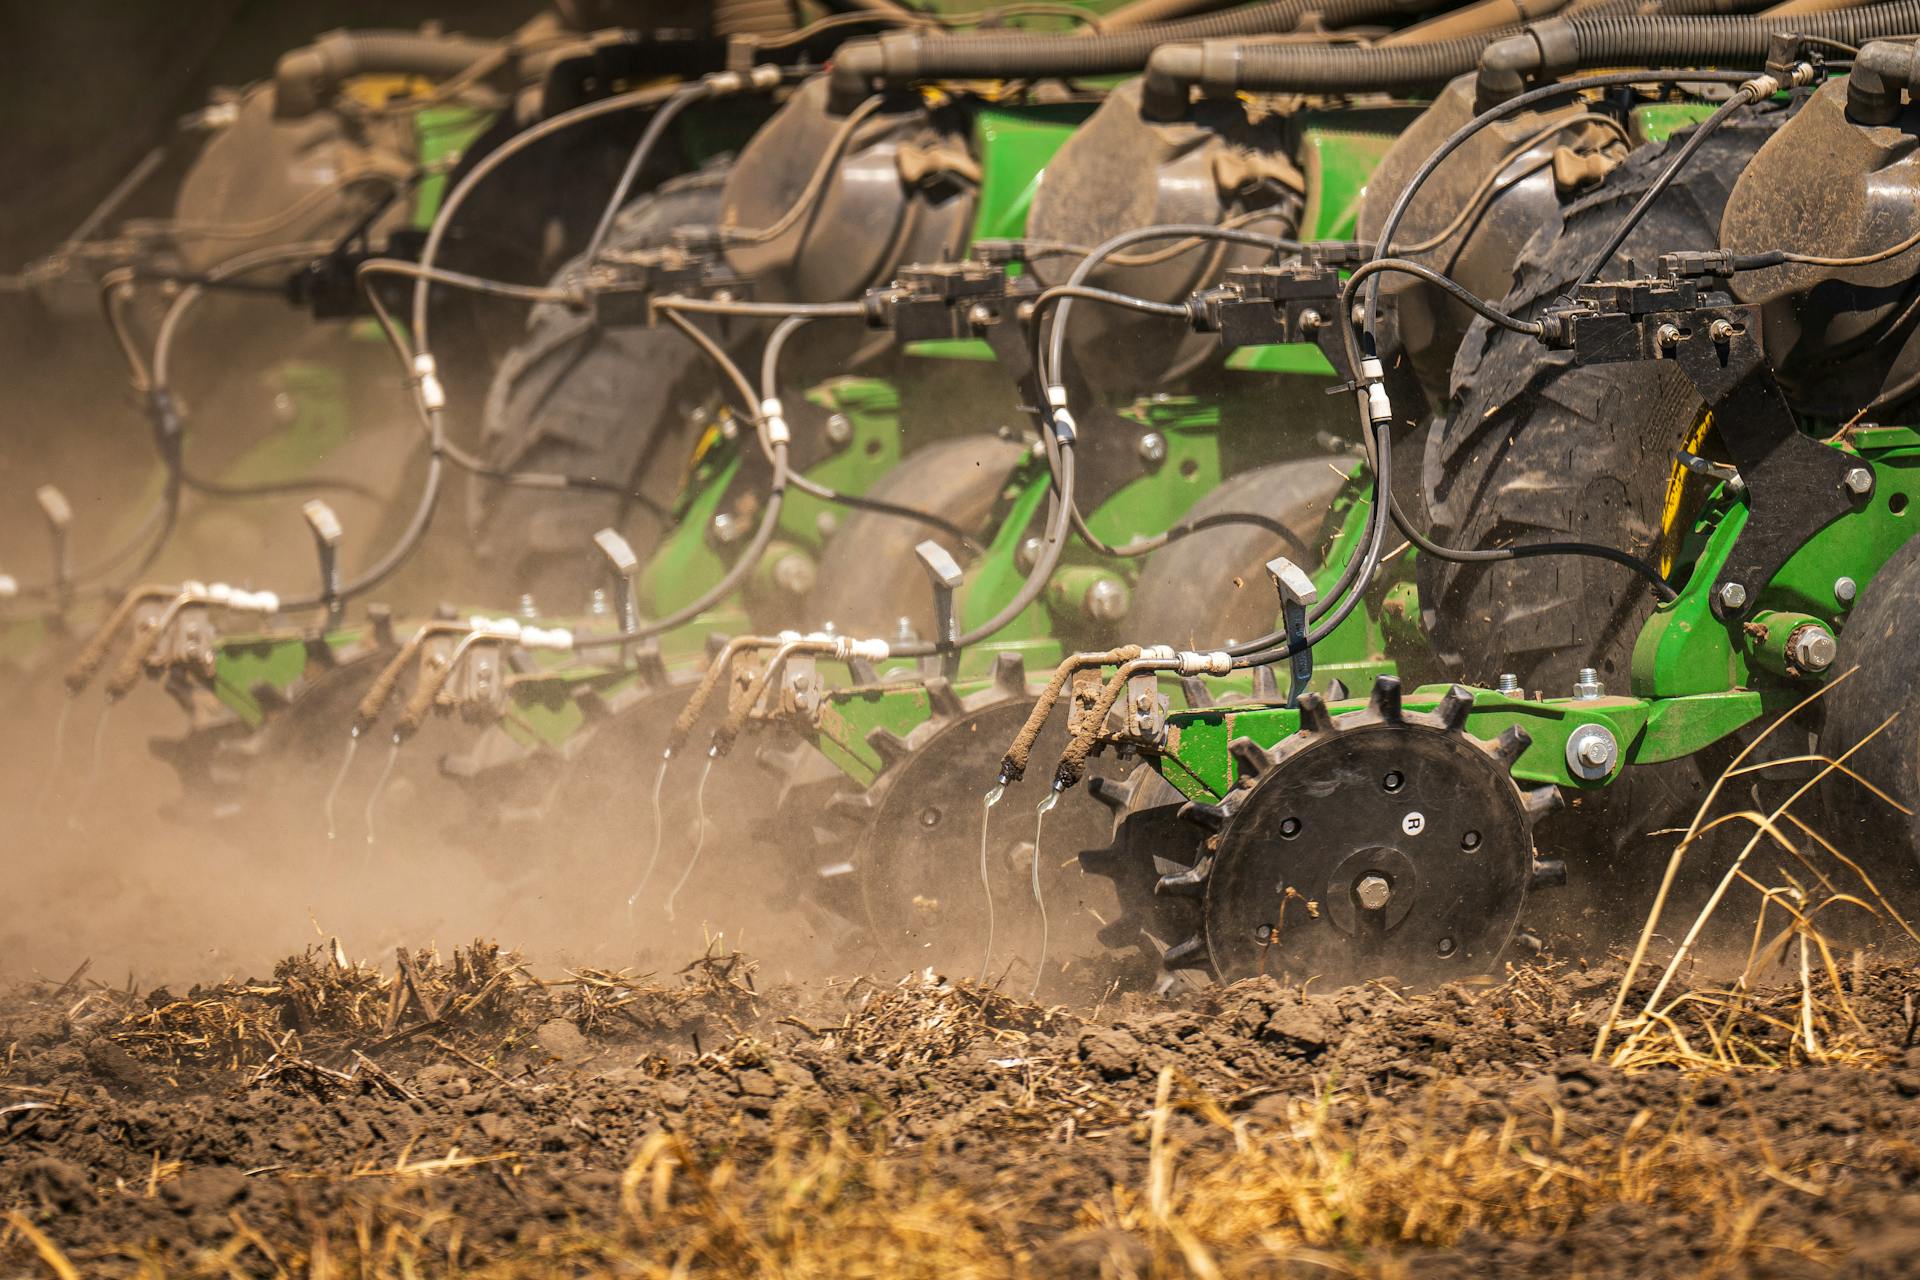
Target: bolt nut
column 1722, row 331
column 1107, row 600
column 528, row 609
column 1812, row 648
column 1153, row 448
column 839, row 428
column 1733, row 596
column 1592, row 752
column 1844, row 590
column 1311, row 320
column 1859, row 481
column 597, row 603
column 1667, row 336
column 727, row 528
column 794, row 574
column 1372, row 891
column 1027, row 554
column 1509, row 683
column 1588, row 687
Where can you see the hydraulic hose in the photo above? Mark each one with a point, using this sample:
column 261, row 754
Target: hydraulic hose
column 900, row 58
column 305, row 78
column 1561, row 45
column 1222, row 67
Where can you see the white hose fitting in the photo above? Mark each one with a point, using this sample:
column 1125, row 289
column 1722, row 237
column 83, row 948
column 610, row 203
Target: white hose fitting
column 871, row 650
column 1218, row 663
column 426, row 374
column 556, row 639
column 1379, row 406
column 502, row 628
column 773, row 415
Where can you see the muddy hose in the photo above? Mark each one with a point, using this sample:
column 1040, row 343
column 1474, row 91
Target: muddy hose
column 1013, row 765
column 729, row 731
column 381, row 690
column 94, row 655
column 127, row 674
column 305, row 78
column 900, row 58
column 432, row 681
column 1073, row 761
column 1561, row 45
column 682, row 728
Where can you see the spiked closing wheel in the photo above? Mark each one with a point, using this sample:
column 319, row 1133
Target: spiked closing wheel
column 1381, row 843
column 911, row 865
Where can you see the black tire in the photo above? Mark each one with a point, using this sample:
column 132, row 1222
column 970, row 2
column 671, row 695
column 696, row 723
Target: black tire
column 1534, row 450
column 869, row 577
column 1211, row 587
column 1879, row 640
column 1538, row 450
column 576, row 399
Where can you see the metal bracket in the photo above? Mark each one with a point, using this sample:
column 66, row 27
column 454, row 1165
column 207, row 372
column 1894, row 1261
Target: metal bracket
column 59, row 513
column 1795, row 486
column 1297, row 592
column 326, row 544
column 945, row 576
column 625, row 565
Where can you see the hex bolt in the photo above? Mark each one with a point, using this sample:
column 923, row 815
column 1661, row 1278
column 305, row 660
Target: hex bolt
column 794, row 574
column 1667, row 336
column 1812, row 647
column 1027, row 554
column 1107, row 600
column 1722, row 331
column 1311, row 320
column 1733, row 596
column 1373, row 891
column 1153, row 448
column 1592, row 752
column 1859, row 481
column 1509, row 683
column 839, row 428
column 726, row 528
column 528, row 609
column 1844, row 590
column 1588, row 687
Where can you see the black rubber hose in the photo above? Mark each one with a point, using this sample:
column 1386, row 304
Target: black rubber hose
column 1561, row 45
column 305, row 78
column 902, row 57
column 1506, row 61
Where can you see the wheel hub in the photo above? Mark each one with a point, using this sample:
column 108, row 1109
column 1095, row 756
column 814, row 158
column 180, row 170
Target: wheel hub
column 1381, row 843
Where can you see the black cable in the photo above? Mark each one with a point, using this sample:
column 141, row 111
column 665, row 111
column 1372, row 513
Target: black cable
column 650, row 137
column 1708, row 127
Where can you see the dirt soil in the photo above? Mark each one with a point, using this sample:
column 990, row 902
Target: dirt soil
column 461, row 1116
